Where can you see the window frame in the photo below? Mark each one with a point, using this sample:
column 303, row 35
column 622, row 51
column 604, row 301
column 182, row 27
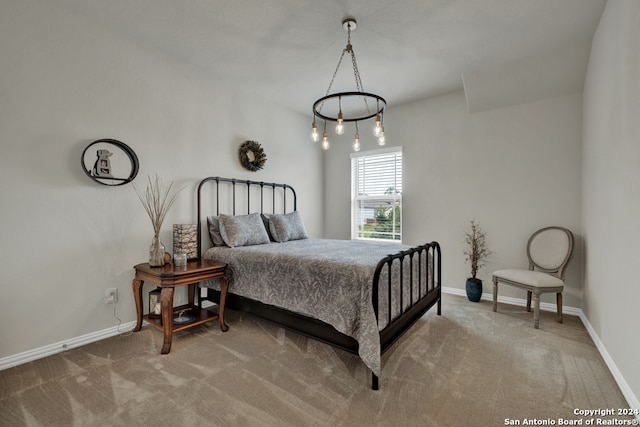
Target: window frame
column 394, row 199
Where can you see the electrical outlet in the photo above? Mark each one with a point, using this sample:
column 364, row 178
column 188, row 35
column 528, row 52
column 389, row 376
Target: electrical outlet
column 111, row 295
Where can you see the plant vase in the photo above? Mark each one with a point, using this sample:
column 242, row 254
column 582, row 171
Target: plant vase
column 156, row 252
column 474, row 289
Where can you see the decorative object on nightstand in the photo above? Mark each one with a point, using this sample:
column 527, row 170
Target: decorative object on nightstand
column 182, row 318
column 252, row 156
column 179, row 260
column 107, row 167
column 154, row 303
column 157, row 200
column 185, row 240
column 477, row 254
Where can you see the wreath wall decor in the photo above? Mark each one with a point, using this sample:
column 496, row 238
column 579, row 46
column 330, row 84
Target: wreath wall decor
column 252, row 156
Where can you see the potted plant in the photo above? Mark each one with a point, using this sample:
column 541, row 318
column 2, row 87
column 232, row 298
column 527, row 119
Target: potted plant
column 477, row 254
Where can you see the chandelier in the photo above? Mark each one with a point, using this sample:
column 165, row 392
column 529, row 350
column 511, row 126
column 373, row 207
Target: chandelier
column 353, row 106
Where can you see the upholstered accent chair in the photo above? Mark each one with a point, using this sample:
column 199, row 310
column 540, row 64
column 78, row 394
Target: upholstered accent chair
column 549, row 251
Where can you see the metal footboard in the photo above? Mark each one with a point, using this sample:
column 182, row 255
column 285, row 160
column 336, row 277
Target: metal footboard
column 423, row 265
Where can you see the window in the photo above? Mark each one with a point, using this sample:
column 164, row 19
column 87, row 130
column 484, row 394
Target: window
column 376, row 194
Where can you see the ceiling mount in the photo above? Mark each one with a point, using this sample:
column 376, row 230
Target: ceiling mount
column 349, row 24
column 351, row 106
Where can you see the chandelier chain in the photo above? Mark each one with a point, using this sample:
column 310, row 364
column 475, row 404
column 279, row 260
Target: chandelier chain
column 333, row 77
column 356, row 74
column 335, row 72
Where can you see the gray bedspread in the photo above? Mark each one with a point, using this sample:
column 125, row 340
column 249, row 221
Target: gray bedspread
column 330, row 280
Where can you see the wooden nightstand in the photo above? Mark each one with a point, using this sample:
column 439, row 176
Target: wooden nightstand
column 167, row 278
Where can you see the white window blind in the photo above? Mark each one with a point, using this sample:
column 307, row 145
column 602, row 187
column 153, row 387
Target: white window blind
column 376, row 194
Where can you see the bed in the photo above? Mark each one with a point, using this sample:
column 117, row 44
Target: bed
column 359, row 296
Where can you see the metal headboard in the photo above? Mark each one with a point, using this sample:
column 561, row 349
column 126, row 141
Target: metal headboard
column 231, row 184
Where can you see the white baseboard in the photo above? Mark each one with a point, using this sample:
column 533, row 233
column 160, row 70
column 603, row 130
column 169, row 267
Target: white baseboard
column 628, row 394
column 632, row 399
column 545, row 306
column 59, row 347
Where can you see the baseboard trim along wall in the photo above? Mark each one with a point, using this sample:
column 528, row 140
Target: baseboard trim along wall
column 515, row 301
column 632, row 399
column 59, row 347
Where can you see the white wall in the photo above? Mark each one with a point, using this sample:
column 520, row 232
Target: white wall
column 513, row 169
column 611, row 185
column 65, row 239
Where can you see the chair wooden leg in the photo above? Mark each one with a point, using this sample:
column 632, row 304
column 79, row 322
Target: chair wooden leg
column 559, row 303
column 529, row 300
column 536, row 310
column 495, row 294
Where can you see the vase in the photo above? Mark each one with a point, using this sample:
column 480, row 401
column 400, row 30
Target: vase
column 156, row 252
column 474, row 289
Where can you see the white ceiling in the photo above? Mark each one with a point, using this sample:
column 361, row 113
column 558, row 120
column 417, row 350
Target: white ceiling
column 507, row 51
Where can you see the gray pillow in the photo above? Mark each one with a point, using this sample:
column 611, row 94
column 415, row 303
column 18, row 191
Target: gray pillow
column 243, row 230
column 285, row 227
column 214, row 230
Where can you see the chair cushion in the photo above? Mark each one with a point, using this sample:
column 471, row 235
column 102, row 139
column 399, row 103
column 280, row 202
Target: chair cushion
column 549, row 247
column 530, row 278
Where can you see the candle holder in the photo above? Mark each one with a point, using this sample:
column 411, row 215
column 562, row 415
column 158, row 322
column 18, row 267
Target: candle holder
column 179, row 260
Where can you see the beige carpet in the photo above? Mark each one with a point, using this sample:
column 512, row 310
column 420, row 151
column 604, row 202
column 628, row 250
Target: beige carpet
column 468, row 367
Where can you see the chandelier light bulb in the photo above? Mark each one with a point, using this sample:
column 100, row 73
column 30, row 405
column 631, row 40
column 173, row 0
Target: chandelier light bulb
column 340, row 124
column 315, row 136
column 378, row 128
column 381, row 139
column 356, row 142
column 325, row 141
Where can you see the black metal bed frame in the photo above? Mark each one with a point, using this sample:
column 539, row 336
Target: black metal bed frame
column 427, row 258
